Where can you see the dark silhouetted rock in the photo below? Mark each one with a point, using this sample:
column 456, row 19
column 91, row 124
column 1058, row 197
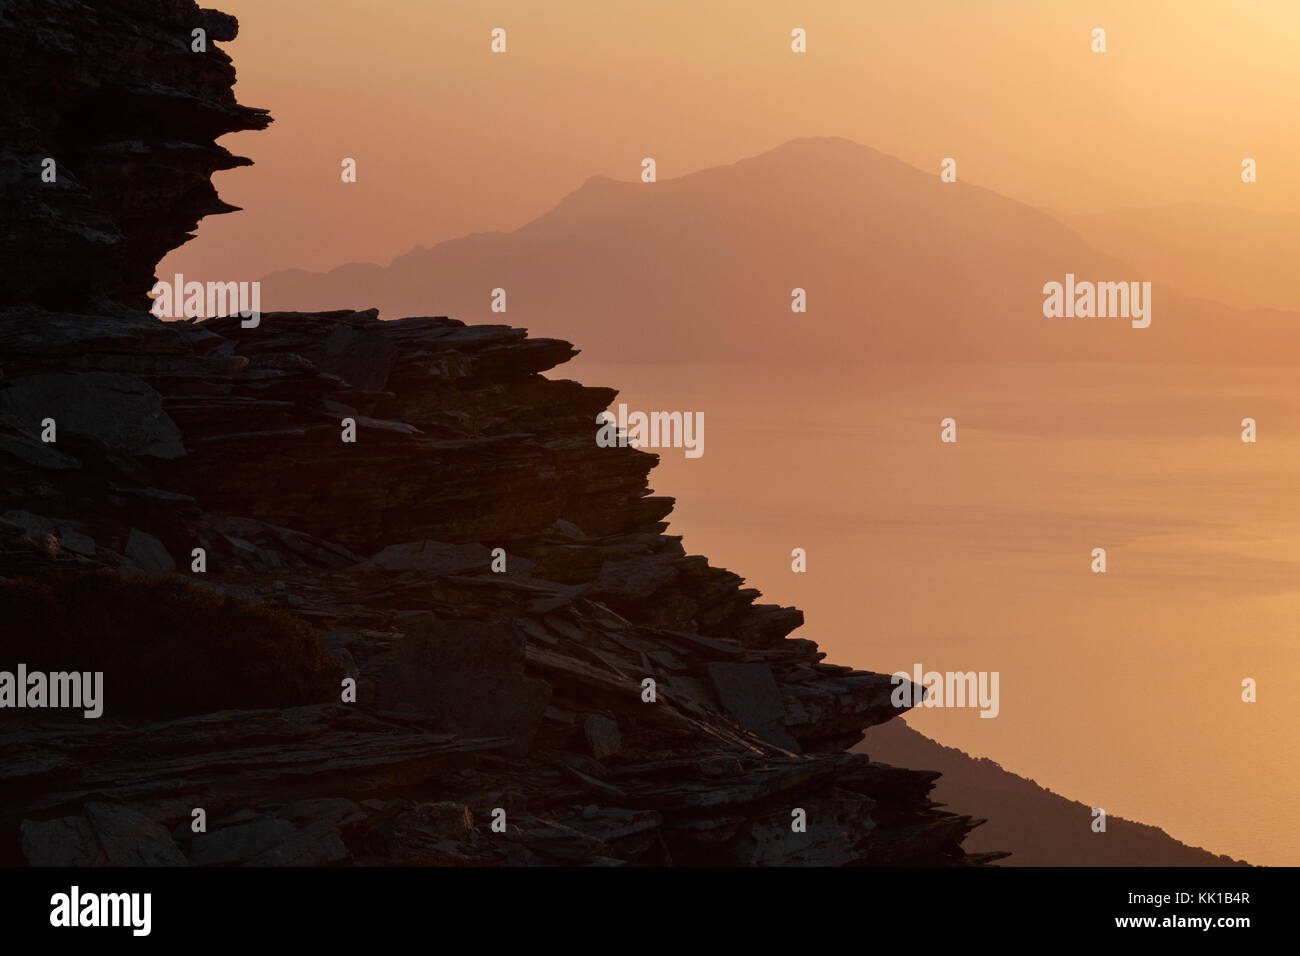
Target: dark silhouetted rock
column 114, row 94
column 476, row 691
column 748, row 693
column 468, row 678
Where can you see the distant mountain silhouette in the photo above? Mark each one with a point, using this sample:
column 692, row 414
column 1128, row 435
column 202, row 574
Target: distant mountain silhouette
column 1039, row 827
column 897, row 266
column 1225, row 253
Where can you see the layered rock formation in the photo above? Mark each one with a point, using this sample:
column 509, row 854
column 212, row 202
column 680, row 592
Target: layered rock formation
column 477, row 688
column 520, row 643
column 117, row 97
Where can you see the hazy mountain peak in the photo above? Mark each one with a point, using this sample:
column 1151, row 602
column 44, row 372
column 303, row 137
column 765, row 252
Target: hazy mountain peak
column 896, row 264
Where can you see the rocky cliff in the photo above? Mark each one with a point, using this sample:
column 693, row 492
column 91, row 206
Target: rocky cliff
column 462, row 637
column 110, row 115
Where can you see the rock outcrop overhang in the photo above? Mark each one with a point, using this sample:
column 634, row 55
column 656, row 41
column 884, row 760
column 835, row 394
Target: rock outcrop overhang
column 114, row 93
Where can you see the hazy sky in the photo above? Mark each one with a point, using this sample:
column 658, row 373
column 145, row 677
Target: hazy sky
column 451, row 138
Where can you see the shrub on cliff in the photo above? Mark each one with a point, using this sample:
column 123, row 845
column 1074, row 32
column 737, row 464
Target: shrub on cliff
column 166, row 647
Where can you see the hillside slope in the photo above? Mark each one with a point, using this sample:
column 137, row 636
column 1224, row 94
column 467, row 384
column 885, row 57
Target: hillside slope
column 1037, row 826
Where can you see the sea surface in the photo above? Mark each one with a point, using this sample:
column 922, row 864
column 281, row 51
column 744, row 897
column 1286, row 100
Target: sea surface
column 1121, row 689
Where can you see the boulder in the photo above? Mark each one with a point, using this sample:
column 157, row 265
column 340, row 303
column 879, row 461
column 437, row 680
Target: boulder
column 749, row 693
column 119, row 411
column 469, row 678
column 148, row 553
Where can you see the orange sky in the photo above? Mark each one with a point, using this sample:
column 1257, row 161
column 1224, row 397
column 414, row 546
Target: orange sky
column 452, row 139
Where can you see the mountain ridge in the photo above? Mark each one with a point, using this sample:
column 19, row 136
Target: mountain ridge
column 896, row 266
